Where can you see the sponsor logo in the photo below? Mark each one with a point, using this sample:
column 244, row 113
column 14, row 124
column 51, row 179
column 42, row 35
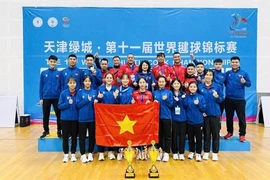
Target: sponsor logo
column 52, row 22
column 65, row 22
column 37, row 22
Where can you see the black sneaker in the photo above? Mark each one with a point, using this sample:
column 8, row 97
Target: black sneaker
column 44, row 134
column 59, row 134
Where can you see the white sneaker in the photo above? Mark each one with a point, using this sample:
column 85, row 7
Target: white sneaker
column 101, row 157
column 139, row 154
column 181, row 157
column 111, row 155
column 143, row 155
column 84, row 159
column 120, row 156
column 159, row 158
column 73, row 158
column 166, row 157
column 175, row 156
column 198, row 158
column 65, row 159
column 205, row 156
column 214, row 156
column 90, row 157
column 191, row 155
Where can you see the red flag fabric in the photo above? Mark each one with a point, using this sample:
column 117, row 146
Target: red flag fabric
column 116, row 124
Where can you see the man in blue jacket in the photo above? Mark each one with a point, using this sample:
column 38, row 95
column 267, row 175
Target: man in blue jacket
column 49, row 92
column 71, row 71
column 93, row 71
column 235, row 83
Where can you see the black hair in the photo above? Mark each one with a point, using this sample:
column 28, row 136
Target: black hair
column 104, row 59
column 116, row 57
column 218, row 60
column 140, row 66
column 235, row 58
column 200, row 63
column 160, row 54
column 190, row 64
column 142, row 77
column 209, row 70
column 87, row 76
column 89, row 55
column 193, row 82
column 71, row 78
column 72, row 55
column 176, row 53
column 162, row 77
column 53, row 57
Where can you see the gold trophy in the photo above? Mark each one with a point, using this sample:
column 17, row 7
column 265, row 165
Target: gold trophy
column 129, row 154
column 153, row 153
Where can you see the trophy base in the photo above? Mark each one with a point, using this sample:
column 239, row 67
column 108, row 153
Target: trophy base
column 129, row 175
column 153, row 175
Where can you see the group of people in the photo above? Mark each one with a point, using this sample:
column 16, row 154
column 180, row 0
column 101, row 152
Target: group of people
column 191, row 102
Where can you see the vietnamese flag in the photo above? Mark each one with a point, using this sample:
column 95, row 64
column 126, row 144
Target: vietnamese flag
column 116, row 124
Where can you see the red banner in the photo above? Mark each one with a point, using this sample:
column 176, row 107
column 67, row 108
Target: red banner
column 116, row 124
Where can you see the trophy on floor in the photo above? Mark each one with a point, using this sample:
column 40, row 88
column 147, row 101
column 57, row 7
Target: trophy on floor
column 129, row 154
column 153, row 153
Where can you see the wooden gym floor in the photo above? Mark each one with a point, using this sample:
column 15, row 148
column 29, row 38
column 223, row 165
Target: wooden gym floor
column 19, row 159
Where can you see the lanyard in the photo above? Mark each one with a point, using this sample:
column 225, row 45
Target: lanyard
column 161, row 69
column 123, row 90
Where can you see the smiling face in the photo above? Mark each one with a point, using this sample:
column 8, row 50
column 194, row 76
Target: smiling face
column 208, row 76
column 235, row 64
column 125, row 80
column 72, row 84
column 177, row 58
column 90, row 61
column 52, row 63
column 130, row 59
column 72, row 61
column 142, row 83
column 161, row 82
column 109, row 79
column 87, row 83
column 193, row 88
column 176, row 85
column 191, row 70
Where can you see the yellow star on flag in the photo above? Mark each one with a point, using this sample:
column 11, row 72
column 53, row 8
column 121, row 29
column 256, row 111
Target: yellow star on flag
column 126, row 125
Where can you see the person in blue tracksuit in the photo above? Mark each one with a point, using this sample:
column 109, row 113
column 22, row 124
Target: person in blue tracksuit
column 195, row 107
column 145, row 71
column 92, row 71
column 107, row 94
column 69, row 118
column 125, row 97
column 71, row 71
column 125, row 91
column 236, row 81
column 85, row 104
column 165, row 98
column 49, row 92
column 213, row 95
column 178, row 120
column 219, row 77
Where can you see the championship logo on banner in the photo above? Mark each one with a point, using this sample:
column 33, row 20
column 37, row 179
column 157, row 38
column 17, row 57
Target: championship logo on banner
column 210, row 33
